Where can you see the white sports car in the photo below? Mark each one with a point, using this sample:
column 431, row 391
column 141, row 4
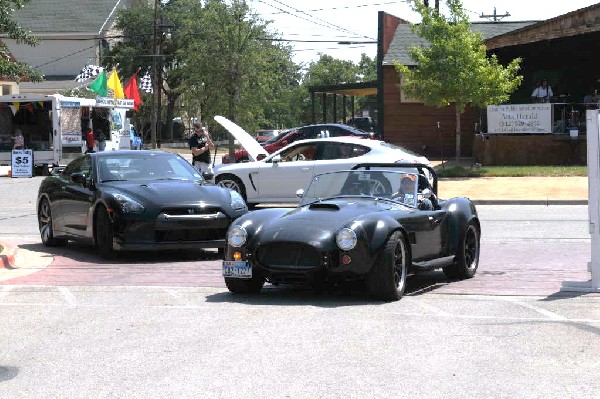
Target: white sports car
column 277, row 177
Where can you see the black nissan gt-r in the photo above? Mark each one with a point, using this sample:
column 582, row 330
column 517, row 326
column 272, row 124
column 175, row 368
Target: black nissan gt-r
column 135, row 200
column 377, row 223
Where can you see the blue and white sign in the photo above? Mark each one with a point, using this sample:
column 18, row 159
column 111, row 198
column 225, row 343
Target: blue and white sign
column 22, row 163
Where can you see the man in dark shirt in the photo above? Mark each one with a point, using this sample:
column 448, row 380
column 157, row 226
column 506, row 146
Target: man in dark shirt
column 201, row 144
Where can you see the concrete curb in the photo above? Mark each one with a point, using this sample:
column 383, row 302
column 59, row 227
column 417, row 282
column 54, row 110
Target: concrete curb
column 8, row 257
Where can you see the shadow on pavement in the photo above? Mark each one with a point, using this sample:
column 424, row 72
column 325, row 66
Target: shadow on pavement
column 86, row 253
column 331, row 296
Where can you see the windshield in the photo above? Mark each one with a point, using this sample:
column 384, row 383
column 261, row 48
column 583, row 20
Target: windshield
column 398, row 185
column 145, row 166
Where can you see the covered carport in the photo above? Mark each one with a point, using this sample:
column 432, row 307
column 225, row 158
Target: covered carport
column 331, row 110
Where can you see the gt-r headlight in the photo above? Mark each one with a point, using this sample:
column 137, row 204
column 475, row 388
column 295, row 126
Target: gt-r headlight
column 236, row 236
column 237, row 201
column 346, row 239
column 128, row 205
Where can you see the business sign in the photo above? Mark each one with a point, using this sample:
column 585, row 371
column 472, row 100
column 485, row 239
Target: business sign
column 22, row 163
column 109, row 102
column 519, row 118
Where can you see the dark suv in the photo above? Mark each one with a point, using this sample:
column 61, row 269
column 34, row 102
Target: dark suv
column 300, row 133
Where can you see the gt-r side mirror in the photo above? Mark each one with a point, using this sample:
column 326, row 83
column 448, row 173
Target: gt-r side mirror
column 79, row 178
column 300, row 193
column 260, row 157
column 276, row 159
column 426, row 193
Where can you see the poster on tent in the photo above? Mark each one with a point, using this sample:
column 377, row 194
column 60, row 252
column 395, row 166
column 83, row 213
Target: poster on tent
column 70, row 123
column 519, row 118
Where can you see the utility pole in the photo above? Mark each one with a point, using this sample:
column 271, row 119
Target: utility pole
column 495, row 16
column 155, row 87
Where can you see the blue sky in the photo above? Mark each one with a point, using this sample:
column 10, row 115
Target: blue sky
column 356, row 20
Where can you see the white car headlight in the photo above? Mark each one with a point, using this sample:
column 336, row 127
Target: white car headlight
column 128, row 204
column 237, row 201
column 236, row 236
column 346, row 239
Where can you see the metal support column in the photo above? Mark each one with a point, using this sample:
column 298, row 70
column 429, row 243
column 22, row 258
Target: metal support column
column 593, row 159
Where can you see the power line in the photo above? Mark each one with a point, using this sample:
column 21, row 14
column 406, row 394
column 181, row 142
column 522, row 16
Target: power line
column 328, row 24
column 352, row 7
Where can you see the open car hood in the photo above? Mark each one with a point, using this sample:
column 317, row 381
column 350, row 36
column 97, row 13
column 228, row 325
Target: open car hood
column 248, row 142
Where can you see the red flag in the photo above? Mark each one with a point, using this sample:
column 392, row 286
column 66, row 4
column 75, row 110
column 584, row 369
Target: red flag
column 131, row 92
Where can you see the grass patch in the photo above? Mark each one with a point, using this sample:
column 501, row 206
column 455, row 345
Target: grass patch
column 512, row 171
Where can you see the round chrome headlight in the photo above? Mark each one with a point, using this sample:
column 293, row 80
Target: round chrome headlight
column 346, row 239
column 236, row 236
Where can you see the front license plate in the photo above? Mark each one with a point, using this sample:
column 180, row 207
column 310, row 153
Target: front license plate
column 237, row 269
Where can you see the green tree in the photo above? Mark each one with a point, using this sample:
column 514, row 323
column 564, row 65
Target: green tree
column 10, row 68
column 327, row 71
column 237, row 69
column 455, row 67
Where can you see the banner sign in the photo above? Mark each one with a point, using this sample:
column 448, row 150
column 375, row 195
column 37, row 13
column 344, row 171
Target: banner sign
column 519, row 118
column 22, row 163
column 109, row 102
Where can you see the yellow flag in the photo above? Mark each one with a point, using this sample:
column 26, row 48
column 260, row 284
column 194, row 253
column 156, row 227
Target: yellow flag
column 115, row 84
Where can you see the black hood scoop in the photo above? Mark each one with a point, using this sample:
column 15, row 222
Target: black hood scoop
column 324, row 205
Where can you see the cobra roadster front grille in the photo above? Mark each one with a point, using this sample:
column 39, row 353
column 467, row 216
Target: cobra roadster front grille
column 290, row 256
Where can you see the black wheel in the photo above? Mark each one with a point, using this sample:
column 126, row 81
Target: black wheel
column 103, row 233
column 467, row 257
column 245, row 286
column 45, row 225
column 387, row 279
column 232, row 182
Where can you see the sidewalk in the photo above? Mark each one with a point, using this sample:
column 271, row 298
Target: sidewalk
column 514, row 190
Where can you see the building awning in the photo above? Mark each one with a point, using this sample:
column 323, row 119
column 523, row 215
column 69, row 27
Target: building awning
column 347, row 89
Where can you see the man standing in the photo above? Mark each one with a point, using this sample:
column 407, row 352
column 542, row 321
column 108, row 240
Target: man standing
column 201, row 145
column 542, row 93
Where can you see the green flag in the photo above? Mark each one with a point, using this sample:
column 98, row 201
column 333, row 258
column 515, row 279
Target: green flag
column 98, row 86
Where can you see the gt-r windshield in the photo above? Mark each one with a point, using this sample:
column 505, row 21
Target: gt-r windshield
column 398, row 186
column 144, row 166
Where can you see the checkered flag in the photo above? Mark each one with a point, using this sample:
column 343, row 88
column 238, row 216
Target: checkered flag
column 88, row 71
column 146, row 83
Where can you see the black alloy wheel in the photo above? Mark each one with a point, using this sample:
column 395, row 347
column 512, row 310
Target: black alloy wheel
column 387, row 279
column 45, row 226
column 103, row 233
column 467, row 256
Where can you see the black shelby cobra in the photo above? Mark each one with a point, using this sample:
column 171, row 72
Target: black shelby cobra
column 365, row 224
column 135, row 200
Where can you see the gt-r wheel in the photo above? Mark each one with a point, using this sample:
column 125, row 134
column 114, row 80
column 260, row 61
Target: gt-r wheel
column 103, row 233
column 45, row 225
column 232, row 182
column 387, row 279
column 243, row 286
column 467, row 257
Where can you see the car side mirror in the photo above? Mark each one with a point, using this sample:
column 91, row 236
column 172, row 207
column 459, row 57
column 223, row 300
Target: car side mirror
column 208, row 176
column 260, row 157
column 276, row 159
column 426, row 193
column 284, row 143
column 300, row 193
column 79, row 178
